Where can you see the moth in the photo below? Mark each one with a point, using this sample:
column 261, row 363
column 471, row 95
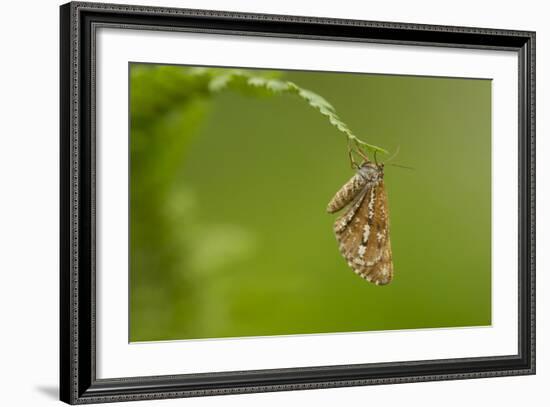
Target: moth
column 363, row 230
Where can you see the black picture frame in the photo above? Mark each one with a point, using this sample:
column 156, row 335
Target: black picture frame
column 78, row 382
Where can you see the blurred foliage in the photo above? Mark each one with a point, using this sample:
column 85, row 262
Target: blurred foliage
column 229, row 236
column 167, row 236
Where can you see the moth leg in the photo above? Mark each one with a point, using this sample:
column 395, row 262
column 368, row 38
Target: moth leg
column 353, row 164
column 360, row 152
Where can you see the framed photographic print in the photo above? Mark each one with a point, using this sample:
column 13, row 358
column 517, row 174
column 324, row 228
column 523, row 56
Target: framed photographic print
column 256, row 203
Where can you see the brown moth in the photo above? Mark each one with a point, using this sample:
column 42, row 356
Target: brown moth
column 362, row 231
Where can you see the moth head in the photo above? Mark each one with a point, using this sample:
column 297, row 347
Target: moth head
column 371, row 171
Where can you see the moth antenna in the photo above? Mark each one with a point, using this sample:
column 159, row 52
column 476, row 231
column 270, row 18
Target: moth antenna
column 397, row 165
column 402, row 166
column 393, row 155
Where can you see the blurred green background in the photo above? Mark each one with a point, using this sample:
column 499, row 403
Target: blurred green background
column 228, row 230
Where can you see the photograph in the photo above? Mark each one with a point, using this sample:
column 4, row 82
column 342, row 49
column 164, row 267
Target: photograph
column 292, row 202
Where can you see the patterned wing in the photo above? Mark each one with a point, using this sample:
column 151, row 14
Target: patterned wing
column 363, row 235
column 347, row 193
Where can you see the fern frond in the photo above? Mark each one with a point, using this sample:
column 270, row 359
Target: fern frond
column 242, row 80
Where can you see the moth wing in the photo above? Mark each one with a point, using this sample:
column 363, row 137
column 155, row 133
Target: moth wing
column 347, row 193
column 381, row 272
column 343, row 221
column 363, row 235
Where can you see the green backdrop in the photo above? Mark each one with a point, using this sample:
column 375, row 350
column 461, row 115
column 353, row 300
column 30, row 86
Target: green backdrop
column 228, row 230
